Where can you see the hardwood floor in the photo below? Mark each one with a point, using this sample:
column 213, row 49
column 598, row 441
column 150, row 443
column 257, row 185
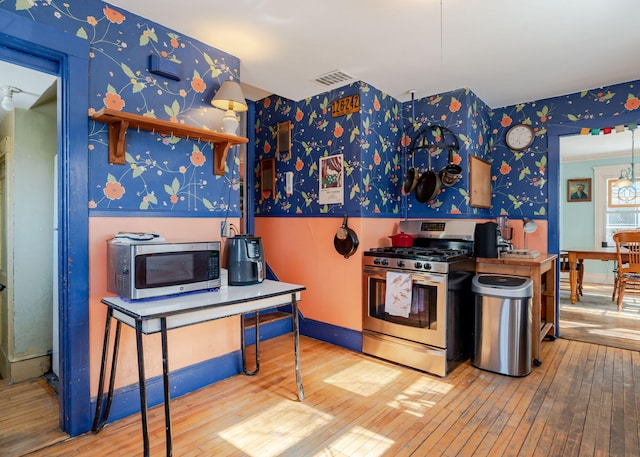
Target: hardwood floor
column 582, row 400
column 28, row 417
column 595, row 318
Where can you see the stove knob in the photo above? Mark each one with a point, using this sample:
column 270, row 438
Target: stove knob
column 401, row 263
column 427, row 266
column 376, row 261
column 385, row 262
column 417, row 265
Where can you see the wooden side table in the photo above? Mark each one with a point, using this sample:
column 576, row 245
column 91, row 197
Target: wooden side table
column 542, row 270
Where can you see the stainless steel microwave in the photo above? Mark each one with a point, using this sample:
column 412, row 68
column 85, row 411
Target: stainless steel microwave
column 141, row 269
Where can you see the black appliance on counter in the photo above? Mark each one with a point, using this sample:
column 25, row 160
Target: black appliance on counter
column 244, row 259
column 434, row 334
column 486, row 240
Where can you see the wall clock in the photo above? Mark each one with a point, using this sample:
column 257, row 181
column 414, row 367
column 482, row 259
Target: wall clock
column 519, row 137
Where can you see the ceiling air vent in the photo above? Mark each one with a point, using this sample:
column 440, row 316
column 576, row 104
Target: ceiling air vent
column 333, row 77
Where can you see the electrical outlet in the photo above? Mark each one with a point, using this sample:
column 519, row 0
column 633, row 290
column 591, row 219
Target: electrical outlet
column 224, row 229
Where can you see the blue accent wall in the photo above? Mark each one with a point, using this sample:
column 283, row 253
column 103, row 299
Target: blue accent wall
column 163, row 175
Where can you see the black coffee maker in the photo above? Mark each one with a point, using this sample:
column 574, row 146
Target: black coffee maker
column 486, row 240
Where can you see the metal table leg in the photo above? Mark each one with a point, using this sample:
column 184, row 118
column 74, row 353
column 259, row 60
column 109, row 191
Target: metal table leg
column 143, row 388
column 100, row 418
column 296, row 345
column 243, row 344
column 167, row 387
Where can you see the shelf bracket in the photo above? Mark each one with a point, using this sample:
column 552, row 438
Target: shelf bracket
column 117, row 142
column 220, row 151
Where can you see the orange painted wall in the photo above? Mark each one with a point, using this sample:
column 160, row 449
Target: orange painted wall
column 301, row 251
column 187, row 345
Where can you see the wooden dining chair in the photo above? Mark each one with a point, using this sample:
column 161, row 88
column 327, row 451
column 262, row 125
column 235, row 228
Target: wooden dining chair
column 628, row 278
column 564, row 267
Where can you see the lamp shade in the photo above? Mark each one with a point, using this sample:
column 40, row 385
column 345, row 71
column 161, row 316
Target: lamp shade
column 529, row 226
column 230, row 97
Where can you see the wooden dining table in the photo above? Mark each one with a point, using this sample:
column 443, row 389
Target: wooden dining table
column 575, row 255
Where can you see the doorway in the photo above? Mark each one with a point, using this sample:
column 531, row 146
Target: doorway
column 44, row 48
column 27, row 218
column 594, row 317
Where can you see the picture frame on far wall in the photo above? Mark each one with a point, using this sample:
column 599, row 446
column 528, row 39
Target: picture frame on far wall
column 283, row 136
column 579, row 190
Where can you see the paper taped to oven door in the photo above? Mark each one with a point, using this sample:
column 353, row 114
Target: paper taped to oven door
column 398, row 294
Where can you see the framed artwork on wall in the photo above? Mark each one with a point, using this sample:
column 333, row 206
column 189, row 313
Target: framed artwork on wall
column 579, row 190
column 283, row 135
column 267, row 177
column 479, row 183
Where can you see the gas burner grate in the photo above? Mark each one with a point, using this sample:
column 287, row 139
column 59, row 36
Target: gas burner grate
column 420, row 253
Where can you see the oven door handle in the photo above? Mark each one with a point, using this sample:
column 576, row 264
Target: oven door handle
column 427, row 279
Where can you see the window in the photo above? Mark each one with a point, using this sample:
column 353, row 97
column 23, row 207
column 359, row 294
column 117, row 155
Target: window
column 615, row 208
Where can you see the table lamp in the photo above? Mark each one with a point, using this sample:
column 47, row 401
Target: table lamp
column 229, row 97
column 529, row 226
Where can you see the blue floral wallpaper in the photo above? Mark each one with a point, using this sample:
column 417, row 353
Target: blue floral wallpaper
column 368, row 139
column 173, row 176
column 520, row 178
column 468, row 117
column 167, row 174
column 375, row 144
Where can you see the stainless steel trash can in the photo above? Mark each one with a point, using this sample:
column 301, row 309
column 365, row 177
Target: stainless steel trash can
column 502, row 324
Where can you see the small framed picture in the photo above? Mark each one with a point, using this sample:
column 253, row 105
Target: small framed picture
column 283, row 132
column 579, row 190
column 267, row 178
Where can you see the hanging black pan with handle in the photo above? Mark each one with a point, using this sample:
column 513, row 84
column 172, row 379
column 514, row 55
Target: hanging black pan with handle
column 428, row 184
column 345, row 241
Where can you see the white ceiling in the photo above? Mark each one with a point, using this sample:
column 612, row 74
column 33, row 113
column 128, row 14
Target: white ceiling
column 33, row 84
column 505, row 51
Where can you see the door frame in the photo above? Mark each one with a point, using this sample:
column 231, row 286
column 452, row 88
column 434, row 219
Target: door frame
column 554, row 132
column 43, row 48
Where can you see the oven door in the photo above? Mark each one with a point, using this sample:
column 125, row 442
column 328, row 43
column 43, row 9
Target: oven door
column 426, row 320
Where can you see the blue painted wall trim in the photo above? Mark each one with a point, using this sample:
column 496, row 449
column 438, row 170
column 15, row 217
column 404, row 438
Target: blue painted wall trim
column 44, row 48
column 340, row 336
column 126, row 400
column 269, row 330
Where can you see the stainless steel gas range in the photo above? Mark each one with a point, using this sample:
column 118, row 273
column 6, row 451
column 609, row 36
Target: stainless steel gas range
column 418, row 306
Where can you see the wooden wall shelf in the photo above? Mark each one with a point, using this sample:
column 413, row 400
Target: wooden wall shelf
column 119, row 122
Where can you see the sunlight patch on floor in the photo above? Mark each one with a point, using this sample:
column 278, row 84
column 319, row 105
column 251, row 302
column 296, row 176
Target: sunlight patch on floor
column 585, row 309
column 412, row 400
column 573, row 324
column 357, row 442
column 261, row 436
column 364, row 378
column 627, row 334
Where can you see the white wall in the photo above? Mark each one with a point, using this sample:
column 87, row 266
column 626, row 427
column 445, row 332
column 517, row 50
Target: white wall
column 577, row 219
column 31, row 201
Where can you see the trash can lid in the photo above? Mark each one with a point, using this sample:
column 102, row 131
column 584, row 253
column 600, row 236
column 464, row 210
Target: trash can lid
column 502, row 281
column 502, row 285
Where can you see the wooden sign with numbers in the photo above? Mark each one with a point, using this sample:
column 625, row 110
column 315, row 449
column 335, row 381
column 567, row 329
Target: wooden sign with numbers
column 345, row 105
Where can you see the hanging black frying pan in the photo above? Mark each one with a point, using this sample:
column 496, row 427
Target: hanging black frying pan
column 412, row 177
column 411, row 180
column 345, row 241
column 428, row 184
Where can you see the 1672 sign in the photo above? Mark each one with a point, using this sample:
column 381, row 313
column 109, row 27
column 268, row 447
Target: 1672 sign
column 345, row 105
